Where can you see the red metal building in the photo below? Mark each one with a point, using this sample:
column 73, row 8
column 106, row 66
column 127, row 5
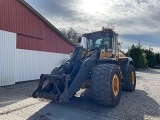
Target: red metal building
column 34, row 38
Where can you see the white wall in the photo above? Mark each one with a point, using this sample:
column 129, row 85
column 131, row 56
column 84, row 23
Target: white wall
column 7, row 57
column 21, row 65
column 31, row 64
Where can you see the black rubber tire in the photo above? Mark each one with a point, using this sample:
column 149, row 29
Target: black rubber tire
column 127, row 79
column 101, row 84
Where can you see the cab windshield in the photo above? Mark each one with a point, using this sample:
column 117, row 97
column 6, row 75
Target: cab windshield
column 98, row 40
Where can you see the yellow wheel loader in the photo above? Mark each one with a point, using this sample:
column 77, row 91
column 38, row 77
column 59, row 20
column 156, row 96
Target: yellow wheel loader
column 96, row 64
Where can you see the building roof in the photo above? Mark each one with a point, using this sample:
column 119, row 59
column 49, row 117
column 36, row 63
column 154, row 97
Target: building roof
column 46, row 21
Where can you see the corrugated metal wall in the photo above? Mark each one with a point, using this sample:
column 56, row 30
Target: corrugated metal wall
column 32, row 48
column 31, row 64
column 7, row 57
column 52, row 42
column 15, row 17
column 21, row 65
column 32, row 32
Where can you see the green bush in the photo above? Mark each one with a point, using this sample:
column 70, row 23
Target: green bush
column 138, row 56
column 151, row 58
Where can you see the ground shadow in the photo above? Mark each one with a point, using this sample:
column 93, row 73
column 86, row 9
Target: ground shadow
column 133, row 105
column 15, row 93
column 8, row 97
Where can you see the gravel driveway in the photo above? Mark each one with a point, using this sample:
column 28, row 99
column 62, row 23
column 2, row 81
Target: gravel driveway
column 143, row 103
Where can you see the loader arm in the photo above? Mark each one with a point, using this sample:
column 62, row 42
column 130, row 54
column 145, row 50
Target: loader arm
column 82, row 75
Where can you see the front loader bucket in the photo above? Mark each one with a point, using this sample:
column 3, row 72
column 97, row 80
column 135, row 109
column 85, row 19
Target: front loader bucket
column 52, row 90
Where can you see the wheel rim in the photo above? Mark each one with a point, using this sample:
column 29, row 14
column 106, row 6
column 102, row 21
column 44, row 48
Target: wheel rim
column 115, row 85
column 133, row 78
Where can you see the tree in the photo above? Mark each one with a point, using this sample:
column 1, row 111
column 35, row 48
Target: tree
column 158, row 58
column 71, row 34
column 138, row 56
column 151, row 58
column 143, row 57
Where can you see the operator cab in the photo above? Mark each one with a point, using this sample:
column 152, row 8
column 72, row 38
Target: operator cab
column 105, row 40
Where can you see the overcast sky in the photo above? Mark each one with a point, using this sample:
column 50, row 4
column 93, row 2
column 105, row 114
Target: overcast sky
column 134, row 20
